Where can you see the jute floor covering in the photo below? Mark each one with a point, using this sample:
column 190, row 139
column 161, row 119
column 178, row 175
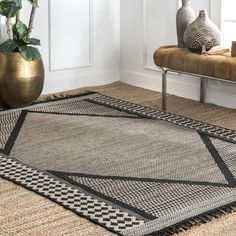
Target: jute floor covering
column 38, row 216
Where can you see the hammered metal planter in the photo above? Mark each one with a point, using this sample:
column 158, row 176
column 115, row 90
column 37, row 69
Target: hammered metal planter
column 21, row 81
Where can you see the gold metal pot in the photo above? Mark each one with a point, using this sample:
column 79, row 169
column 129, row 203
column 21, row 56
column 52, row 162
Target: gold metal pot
column 21, row 81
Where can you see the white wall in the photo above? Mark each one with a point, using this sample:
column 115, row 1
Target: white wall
column 148, row 24
column 80, row 42
column 95, row 42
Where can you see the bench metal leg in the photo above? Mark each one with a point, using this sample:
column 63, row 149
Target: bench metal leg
column 202, row 90
column 164, row 90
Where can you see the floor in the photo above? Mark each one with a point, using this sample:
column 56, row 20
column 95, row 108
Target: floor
column 26, row 213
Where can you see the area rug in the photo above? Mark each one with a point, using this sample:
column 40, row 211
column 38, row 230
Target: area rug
column 131, row 169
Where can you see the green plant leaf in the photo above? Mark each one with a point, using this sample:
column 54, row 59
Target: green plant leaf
column 9, row 8
column 20, row 30
column 30, row 41
column 8, row 46
column 33, row 41
column 33, row 3
column 29, row 53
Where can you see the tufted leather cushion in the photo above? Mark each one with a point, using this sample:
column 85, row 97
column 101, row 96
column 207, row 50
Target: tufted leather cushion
column 182, row 59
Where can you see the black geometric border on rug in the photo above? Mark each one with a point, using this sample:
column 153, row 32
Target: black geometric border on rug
column 222, row 133
column 112, row 218
column 71, row 198
column 23, row 114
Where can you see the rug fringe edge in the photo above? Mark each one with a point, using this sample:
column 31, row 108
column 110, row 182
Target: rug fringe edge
column 62, row 96
column 198, row 220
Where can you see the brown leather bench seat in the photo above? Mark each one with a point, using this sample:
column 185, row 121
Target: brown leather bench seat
column 182, row 59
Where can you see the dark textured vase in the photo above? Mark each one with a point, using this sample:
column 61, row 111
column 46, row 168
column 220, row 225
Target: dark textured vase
column 202, row 33
column 185, row 16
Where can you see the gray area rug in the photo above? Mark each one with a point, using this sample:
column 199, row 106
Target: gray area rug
column 132, row 169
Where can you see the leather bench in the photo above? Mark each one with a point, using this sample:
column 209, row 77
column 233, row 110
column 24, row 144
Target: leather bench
column 182, row 60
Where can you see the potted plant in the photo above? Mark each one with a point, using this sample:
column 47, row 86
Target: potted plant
column 21, row 66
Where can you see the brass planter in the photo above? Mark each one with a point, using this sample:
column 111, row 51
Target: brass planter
column 21, row 81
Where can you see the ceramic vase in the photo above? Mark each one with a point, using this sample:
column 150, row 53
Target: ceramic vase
column 202, row 33
column 185, row 16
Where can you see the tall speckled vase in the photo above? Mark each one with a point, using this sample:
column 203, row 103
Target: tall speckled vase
column 185, row 16
column 202, row 33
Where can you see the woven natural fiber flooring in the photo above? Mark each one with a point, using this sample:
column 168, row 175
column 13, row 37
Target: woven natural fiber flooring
column 25, row 213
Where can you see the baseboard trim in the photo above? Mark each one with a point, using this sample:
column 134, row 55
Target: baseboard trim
column 55, row 84
column 219, row 93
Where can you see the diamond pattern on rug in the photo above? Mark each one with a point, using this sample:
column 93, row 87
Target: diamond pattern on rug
column 69, row 197
column 151, row 113
column 81, row 108
column 227, row 151
column 7, row 124
column 115, row 167
column 218, row 159
column 146, row 194
column 114, row 146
